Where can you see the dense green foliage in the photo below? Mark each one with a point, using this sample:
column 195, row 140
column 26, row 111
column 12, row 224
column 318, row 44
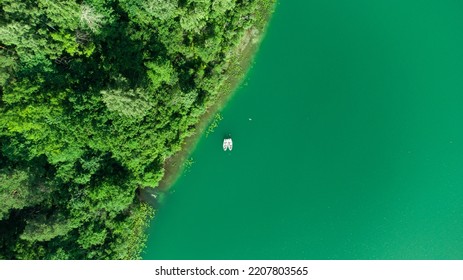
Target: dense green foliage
column 95, row 95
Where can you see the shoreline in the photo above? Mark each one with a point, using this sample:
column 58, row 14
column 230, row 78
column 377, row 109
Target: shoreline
column 244, row 57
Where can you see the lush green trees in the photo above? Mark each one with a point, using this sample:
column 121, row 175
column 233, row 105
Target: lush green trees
column 16, row 192
column 95, row 96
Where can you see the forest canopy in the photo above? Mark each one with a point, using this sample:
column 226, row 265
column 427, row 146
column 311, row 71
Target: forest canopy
column 95, row 95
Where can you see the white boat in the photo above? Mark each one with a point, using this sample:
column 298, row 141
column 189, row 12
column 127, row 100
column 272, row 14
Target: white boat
column 227, row 144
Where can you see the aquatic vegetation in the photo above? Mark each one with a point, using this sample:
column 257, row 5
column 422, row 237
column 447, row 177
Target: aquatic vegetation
column 188, row 163
column 214, row 124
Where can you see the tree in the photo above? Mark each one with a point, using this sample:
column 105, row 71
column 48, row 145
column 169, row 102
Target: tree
column 18, row 190
column 221, row 6
column 130, row 103
column 195, row 15
column 91, row 19
column 43, row 228
column 160, row 72
column 161, row 9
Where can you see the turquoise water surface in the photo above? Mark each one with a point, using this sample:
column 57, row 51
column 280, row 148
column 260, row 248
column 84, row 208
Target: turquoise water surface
column 348, row 142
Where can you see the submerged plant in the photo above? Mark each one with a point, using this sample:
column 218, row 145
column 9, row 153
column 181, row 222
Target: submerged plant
column 188, row 163
column 214, row 124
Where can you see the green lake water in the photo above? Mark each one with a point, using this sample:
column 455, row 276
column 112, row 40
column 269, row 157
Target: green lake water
column 348, row 142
